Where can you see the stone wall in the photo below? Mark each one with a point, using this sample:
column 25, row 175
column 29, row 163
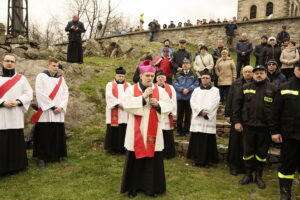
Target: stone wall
column 210, row 33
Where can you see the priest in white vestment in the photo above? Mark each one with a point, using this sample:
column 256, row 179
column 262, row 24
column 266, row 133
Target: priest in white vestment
column 15, row 98
column 116, row 116
column 49, row 140
column 204, row 103
column 168, row 127
column 147, row 106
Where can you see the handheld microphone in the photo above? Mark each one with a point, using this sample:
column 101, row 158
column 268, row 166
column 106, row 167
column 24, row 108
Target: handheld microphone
column 150, row 85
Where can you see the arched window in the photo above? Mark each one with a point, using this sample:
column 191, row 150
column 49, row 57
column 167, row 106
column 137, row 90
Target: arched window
column 269, row 9
column 253, row 11
column 296, row 11
column 292, row 9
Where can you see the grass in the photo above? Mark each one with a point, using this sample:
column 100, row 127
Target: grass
column 92, row 174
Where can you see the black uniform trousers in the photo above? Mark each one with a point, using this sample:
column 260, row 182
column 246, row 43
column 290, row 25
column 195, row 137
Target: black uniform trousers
column 289, row 157
column 184, row 113
column 256, row 142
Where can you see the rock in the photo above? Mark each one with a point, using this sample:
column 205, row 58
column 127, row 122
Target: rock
column 113, row 50
column 32, row 53
column 45, row 54
column 2, row 34
column 92, row 48
column 21, row 39
column 125, row 47
column 223, row 149
column 2, row 39
column 6, row 48
column 19, row 52
column 2, row 52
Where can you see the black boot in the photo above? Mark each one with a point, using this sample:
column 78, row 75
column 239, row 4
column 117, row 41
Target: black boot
column 248, row 178
column 258, row 179
column 285, row 188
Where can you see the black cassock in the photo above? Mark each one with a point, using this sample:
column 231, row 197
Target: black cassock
column 13, row 156
column 145, row 174
column 114, row 139
column 75, row 53
column 49, row 141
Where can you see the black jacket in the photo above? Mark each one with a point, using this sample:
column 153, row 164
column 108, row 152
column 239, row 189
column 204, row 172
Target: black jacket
column 286, row 110
column 282, row 36
column 252, row 104
column 257, row 51
column 233, row 90
column 268, row 53
column 178, row 57
column 75, row 36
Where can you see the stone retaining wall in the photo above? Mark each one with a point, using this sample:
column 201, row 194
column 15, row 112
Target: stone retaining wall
column 211, row 32
column 181, row 147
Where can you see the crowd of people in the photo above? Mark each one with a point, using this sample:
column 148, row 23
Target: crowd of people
column 257, row 102
column 261, row 104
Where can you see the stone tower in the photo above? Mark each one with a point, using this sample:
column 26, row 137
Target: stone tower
column 262, row 9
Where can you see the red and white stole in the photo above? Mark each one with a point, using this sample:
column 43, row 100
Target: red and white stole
column 35, row 117
column 140, row 149
column 5, row 87
column 114, row 116
column 169, row 91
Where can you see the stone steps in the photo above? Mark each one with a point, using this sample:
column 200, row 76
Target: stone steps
column 181, row 147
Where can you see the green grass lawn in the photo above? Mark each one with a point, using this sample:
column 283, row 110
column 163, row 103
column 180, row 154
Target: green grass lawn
column 92, row 174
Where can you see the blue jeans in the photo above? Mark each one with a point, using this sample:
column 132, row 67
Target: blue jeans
column 152, row 36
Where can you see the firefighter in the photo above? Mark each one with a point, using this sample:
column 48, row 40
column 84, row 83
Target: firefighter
column 285, row 129
column 252, row 116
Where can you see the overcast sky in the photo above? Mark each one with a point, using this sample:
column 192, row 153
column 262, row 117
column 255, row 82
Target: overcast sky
column 40, row 11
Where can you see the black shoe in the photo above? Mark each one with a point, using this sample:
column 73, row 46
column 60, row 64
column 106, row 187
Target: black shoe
column 258, row 179
column 154, row 195
column 233, row 172
column 41, row 164
column 246, row 179
column 285, row 188
column 132, row 195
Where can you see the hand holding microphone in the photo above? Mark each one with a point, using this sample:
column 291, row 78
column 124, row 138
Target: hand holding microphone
column 148, row 92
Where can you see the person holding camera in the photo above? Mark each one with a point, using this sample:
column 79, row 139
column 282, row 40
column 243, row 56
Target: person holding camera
column 74, row 29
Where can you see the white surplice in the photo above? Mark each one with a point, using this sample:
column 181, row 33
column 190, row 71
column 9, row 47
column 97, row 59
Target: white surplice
column 44, row 85
column 207, row 99
column 112, row 101
column 173, row 111
column 134, row 106
column 13, row 118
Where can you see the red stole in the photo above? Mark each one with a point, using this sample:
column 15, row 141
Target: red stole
column 35, row 117
column 5, row 87
column 169, row 91
column 140, row 149
column 115, row 111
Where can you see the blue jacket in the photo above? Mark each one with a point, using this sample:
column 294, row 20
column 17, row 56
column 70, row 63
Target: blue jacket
column 182, row 81
column 243, row 46
column 277, row 78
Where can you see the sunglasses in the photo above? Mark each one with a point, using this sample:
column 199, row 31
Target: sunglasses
column 272, row 64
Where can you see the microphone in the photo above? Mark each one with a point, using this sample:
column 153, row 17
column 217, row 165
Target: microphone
column 150, row 85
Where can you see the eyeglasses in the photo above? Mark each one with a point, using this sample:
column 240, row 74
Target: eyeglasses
column 272, row 64
column 9, row 61
column 205, row 78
